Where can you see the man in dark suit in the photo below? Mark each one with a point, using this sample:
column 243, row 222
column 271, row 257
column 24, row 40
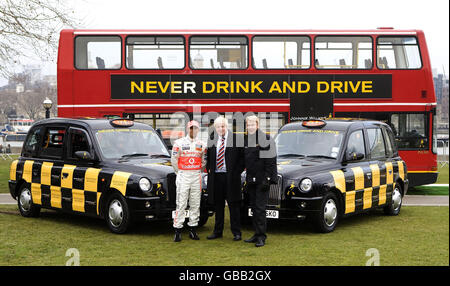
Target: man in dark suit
column 261, row 171
column 224, row 164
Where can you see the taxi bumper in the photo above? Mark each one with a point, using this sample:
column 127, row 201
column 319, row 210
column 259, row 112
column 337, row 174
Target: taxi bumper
column 297, row 208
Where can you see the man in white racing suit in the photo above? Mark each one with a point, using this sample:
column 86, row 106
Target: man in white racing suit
column 188, row 160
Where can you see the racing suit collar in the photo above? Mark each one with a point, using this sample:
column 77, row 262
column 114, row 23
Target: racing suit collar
column 190, row 139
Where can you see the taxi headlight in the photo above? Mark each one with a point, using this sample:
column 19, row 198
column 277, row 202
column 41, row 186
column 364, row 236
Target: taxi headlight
column 305, row 185
column 145, row 185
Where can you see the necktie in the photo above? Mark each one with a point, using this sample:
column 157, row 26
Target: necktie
column 221, row 155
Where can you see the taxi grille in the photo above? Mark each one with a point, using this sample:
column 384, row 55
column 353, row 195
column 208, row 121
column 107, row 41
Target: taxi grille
column 275, row 192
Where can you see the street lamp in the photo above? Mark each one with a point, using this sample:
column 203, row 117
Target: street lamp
column 47, row 105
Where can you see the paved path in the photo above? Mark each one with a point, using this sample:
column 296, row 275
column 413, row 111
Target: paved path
column 425, row 200
column 6, row 199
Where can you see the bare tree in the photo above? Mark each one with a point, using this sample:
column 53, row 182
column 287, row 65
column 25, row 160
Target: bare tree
column 30, row 102
column 8, row 100
column 31, row 26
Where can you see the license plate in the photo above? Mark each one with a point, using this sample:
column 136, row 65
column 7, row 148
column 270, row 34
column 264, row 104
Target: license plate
column 269, row 213
column 186, row 213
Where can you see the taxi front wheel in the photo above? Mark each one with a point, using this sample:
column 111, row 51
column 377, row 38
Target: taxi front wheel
column 394, row 207
column 326, row 219
column 25, row 203
column 117, row 214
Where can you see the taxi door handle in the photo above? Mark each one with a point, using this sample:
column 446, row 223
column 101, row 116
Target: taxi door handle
column 65, row 175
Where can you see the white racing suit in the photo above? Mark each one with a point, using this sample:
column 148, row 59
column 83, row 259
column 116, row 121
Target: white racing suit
column 188, row 160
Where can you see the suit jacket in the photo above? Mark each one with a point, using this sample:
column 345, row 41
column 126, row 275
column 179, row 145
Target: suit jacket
column 260, row 159
column 234, row 162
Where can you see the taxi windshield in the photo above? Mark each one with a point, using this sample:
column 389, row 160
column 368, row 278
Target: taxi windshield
column 128, row 142
column 309, row 143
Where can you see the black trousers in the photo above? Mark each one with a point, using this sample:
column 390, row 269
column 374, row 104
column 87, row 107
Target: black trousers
column 259, row 196
column 220, row 191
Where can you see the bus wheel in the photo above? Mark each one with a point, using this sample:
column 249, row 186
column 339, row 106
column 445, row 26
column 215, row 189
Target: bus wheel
column 327, row 218
column 394, row 207
column 118, row 217
column 25, row 203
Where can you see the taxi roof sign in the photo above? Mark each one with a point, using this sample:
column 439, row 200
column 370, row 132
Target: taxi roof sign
column 314, row 123
column 121, row 122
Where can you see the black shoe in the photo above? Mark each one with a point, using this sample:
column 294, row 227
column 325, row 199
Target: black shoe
column 214, row 236
column 177, row 237
column 251, row 239
column 237, row 237
column 193, row 234
column 260, row 242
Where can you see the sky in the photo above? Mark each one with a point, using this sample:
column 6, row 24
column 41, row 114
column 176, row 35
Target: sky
column 431, row 16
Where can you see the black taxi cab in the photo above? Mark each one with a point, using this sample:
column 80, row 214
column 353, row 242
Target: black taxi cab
column 118, row 170
column 330, row 169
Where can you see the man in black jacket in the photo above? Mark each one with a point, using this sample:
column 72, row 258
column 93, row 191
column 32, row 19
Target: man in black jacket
column 224, row 164
column 261, row 171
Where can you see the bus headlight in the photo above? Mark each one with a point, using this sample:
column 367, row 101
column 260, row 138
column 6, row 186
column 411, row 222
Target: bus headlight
column 305, row 185
column 145, row 185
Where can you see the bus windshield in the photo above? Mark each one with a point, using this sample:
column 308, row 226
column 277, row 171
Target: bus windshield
column 124, row 142
column 309, row 142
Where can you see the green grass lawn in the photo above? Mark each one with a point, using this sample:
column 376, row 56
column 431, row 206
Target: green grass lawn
column 4, row 174
column 418, row 236
column 435, row 191
column 443, row 175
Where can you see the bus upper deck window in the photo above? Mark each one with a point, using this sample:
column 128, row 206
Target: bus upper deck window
column 213, row 52
column 343, row 52
column 98, row 52
column 275, row 52
column 155, row 52
column 398, row 53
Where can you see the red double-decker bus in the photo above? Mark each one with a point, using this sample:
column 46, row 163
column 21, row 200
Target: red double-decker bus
column 281, row 75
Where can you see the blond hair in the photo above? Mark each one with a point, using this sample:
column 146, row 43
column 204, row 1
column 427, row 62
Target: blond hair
column 253, row 118
column 220, row 120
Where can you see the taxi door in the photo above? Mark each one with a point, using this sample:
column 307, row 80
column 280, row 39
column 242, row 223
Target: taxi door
column 382, row 164
column 45, row 170
column 357, row 173
column 80, row 173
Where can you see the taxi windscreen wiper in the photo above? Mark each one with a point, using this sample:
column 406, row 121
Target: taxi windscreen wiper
column 134, row 155
column 291, row 155
column 321, row 156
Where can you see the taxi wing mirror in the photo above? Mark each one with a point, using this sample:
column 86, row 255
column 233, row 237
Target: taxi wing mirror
column 354, row 156
column 83, row 155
